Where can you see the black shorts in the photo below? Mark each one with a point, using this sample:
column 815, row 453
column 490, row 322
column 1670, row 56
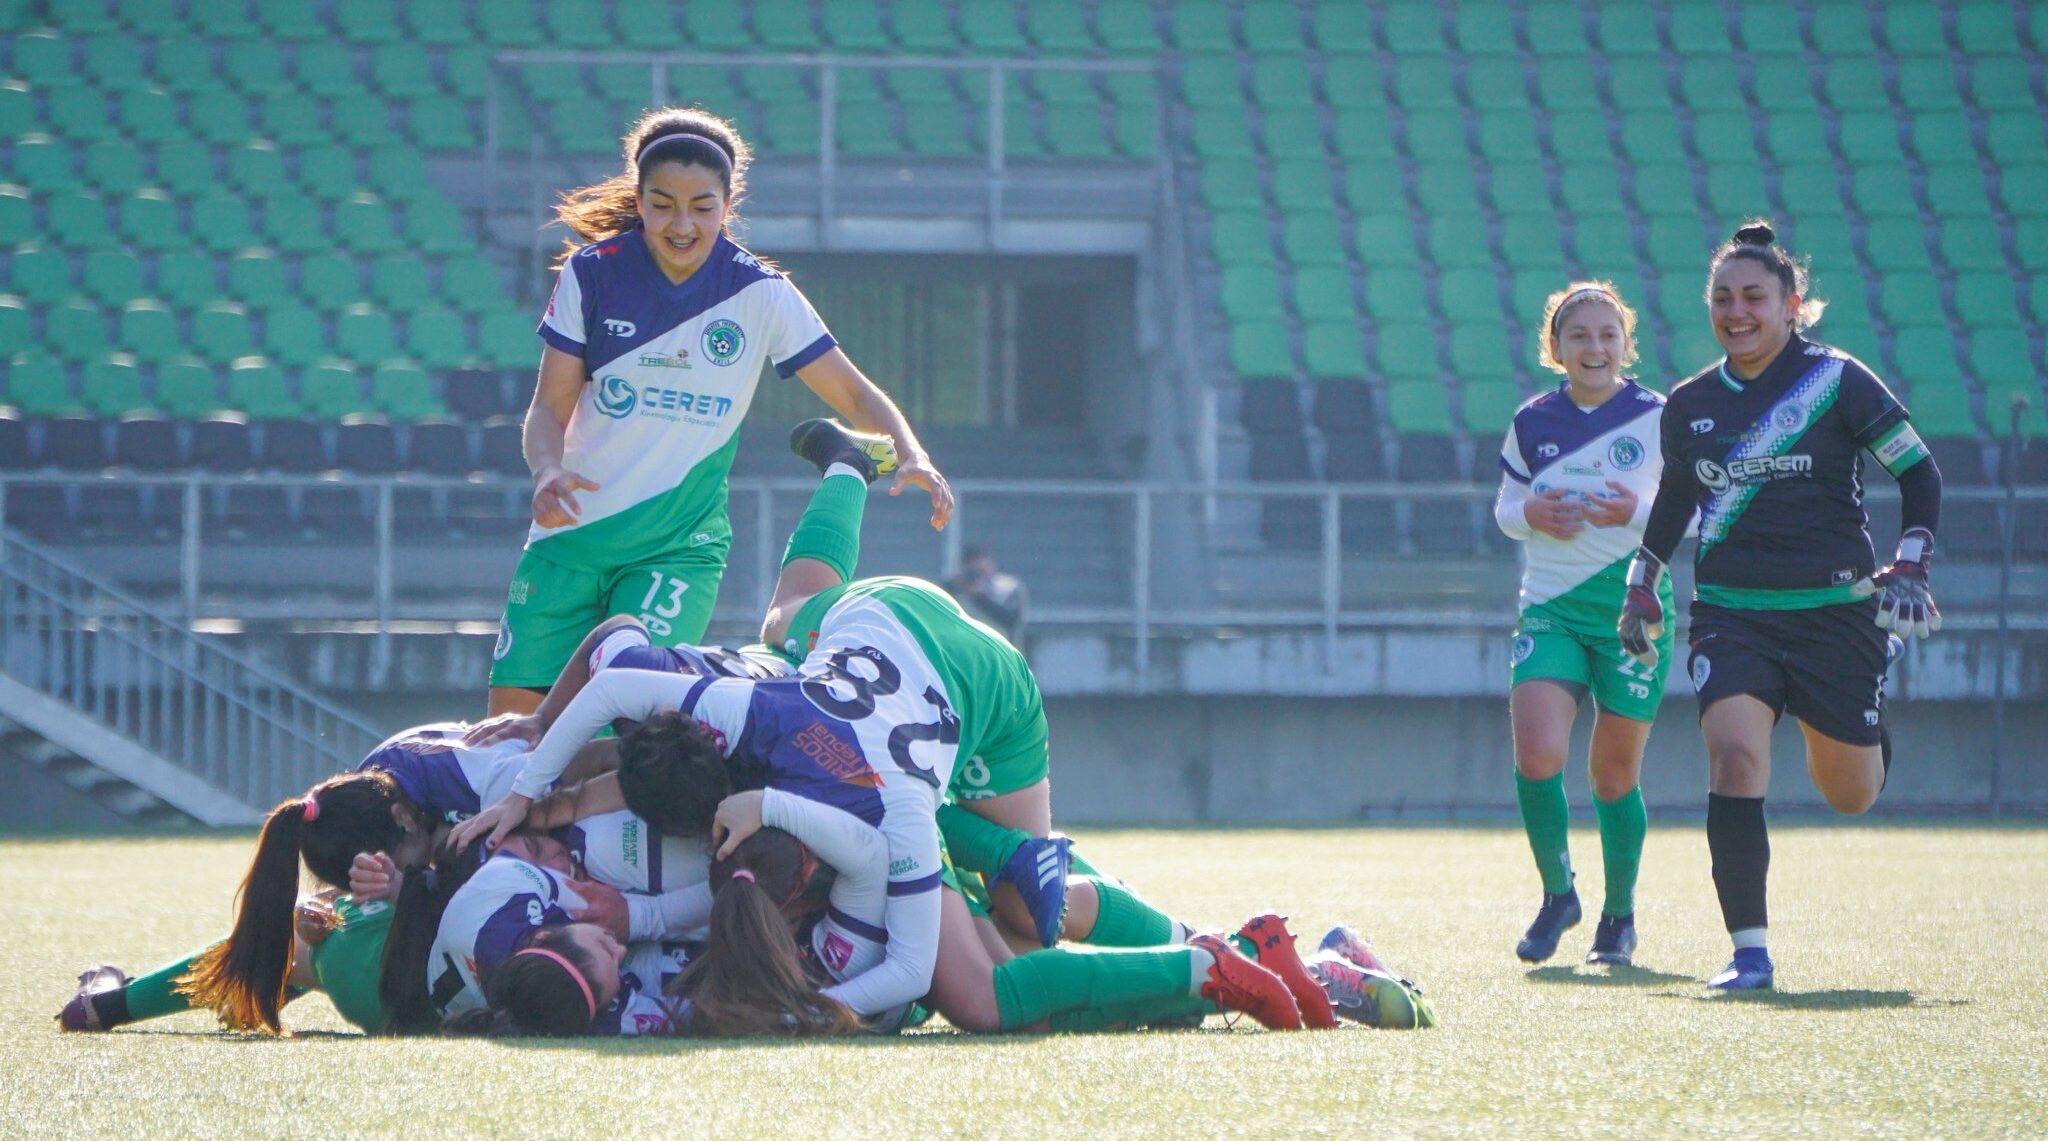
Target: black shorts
column 1825, row 665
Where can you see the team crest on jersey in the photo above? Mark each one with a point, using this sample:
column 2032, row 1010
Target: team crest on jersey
column 615, row 397
column 837, row 951
column 1520, row 650
column 1701, row 670
column 535, row 913
column 504, row 645
column 1626, row 454
column 723, row 340
column 1790, row 416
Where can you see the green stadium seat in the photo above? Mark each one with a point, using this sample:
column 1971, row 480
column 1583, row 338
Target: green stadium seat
column 1074, row 132
column 1323, row 293
column 403, row 71
column 1424, row 83
column 300, row 22
column 293, row 120
column 1281, row 83
column 1258, row 351
column 1557, row 29
column 578, row 24
column 441, row 124
column 150, row 331
column 1604, row 247
column 361, row 121
column 1810, row 190
column 1496, row 86
column 1418, row 407
column 399, row 282
column 1677, row 244
column 1531, row 242
column 2003, row 364
column 113, row 277
column 78, row 220
column 115, row 63
column 1628, row 30
column 1871, row 138
column 1479, row 352
column 220, row 332
column 220, row 117
column 1884, row 191
column 1125, row 28
column 1251, row 293
column 75, row 330
column 1842, row 29
column 1509, row 135
column 1987, row 28
column 1332, row 351
column 1565, row 88
column 855, row 27
column 1272, row 28
column 436, row 227
column 185, row 278
column 1447, row 186
column 79, row 114
column 1641, row 85
column 471, row 284
column 110, row 384
column 1487, row 407
column 1724, row 137
column 186, row 169
column 1652, row 136
column 402, row 390
column 2001, row 84
column 1312, row 240
column 1396, row 296
column 1665, row 190
column 41, row 274
column 1898, row 245
column 113, row 167
column 785, row 25
column 2013, row 137
column 1228, row 186
column 1943, row 138
column 1929, row 84
column 256, row 389
column 990, row 28
column 221, row 223
column 1971, row 244
column 1363, row 137
column 2024, row 189
column 1712, row 83
column 186, row 66
column 1197, row 28
column 36, row 384
column 1341, row 26
column 149, row 219
column 1059, row 28
column 45, row 60
column 365, row 333
column 1987, row 300
column 327, row 69
column 1303, row 184
column 1386, row 239
column 330, row 281
column 439, row 338
column 1910, row 298
column 923, row 26
column 328, row 173
column 506, row 339
column 187, row 388
column 221, row 20
column 1592, row 195
column 17, row 110
column 15, row 332
column 1222, row 132
column 255, row 67
column 1737, row 192
column 332, row 389
column 295, row 226
column 1915, row 30
column 1457, row 240
column 1825, row 239
column 1771, row 30
column 294, row 335
column 1437, row 137
column 1579, row 136
column 17, row 216
column 1211, row 80
column 1414, row 29
column 442, row 23
column 1407, row 352
column 1469, row 295
column 256, row 278
column 1485, row 31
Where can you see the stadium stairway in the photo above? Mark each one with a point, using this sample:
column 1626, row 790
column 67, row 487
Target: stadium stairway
column 149, row 719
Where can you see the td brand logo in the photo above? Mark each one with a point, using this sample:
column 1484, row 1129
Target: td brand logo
column 618, row 328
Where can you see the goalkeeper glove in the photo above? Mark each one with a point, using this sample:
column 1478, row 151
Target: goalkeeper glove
column 1642, row 614
column 1904, row 604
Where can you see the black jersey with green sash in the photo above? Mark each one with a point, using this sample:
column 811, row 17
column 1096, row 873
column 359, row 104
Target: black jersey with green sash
column 1775, row 466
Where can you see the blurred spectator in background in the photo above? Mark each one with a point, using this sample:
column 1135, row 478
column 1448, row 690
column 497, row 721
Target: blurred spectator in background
column 989, row 594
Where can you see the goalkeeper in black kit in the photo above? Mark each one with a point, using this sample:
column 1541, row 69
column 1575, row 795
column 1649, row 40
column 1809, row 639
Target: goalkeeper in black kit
column 1790, row 612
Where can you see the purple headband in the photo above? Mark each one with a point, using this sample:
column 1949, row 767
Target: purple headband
column 669, row 138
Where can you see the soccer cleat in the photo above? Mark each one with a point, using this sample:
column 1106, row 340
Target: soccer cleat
column 1751, row 969
column 1560, row 913
column 828, row 442
column 1352, row 947
column 1370, row 996
column 1614, row 941
column 79, row 1014
column 1038, row 870
column 1273, row 946
column 1237, row 983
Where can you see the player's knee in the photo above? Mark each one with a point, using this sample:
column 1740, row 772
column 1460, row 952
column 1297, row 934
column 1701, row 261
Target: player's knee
column 1612, row 786
column 1539, row 762
column 1850, row 798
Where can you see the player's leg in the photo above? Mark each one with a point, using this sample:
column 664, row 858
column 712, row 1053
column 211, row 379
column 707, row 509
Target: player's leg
column 825, row 547
column 1738, row 737
column 548, row 610
column 1849, row 776
column 1836, row 690
column 1616, row 764
column 1541, row 711
column 108, row 998
column 672, row 597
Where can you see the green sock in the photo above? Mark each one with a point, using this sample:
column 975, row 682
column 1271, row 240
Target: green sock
column 1036, row 986
column 1622, row 825
column 152, row 996
column 1547, row 819
column 977, row 843
column 1077, row 865
column 1145, row 1012
column 830, row 528
column 1124, row 920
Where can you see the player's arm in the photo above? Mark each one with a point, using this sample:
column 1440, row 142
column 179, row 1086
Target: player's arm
column 673, row 915
column 601, row 645
column 1905, row 601
column 1642, row 611
column 866, row 407
column 910, row 916
column 544, row 438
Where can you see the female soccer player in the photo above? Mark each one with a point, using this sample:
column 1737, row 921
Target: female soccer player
column 655, row 337
column 1789, row 612
column 1579, row 468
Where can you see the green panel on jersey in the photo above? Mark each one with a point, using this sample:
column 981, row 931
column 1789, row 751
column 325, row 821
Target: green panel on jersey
column 1572, row 639
column 1737, row 598
column 691, row 517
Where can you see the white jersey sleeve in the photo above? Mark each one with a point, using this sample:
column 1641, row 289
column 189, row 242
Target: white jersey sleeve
column 486, row 921
column 910, row 915
column 796, row 336
column 664, row 877
column 634, row 695
column 850, row 940
column 563, row 324
column 641, row 1007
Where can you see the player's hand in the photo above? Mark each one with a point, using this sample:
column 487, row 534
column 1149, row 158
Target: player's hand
column 918, row 470
column 738, row 817
column 1612, row 511
column 505, row 727
column 491, row 825
column 1905, row 605
column 554, row 495
column 374, row 875
column 605, row 906
column 1642, row 613
column 1553, row 513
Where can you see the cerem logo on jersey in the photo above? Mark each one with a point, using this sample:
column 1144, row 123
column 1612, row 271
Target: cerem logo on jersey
column 1701, row 668
column 615, row 397
column 1762, row 469
column 1702, row 427
column 504, row 645
column 618, row 328
column 1520, row 649
column 1545, row 451
column 723, row 341
column 1626, row 454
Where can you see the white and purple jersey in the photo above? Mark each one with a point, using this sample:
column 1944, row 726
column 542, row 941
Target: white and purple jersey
column 628, row 648
column 664, row 877
column 487, row 920
column 449, row 780
column 672, row 370
column 641, row 1008
column 1554, row 443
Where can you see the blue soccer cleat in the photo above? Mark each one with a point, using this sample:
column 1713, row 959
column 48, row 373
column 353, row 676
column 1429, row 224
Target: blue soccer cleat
column 1614, row 941
column 1752, row 969
column 1038, row 870
column 1560, row 913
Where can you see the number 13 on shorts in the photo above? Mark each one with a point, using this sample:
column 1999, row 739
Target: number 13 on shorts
column 659, row 616
column 673, row 600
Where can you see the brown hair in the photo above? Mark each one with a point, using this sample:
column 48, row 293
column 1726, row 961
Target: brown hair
column 536, row 994
column 610, row 208
column 1755, row 240
column 673, row 774
column 242, row 978
column 749, row 981
column 409, row 941
column 1571, row 297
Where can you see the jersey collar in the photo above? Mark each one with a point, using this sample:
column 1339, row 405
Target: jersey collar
column 1794, row 350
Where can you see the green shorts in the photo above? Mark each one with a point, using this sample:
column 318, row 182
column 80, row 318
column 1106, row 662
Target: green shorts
column 1003, row 735
column 551, row 607
column 1571, row 639
column 350, row 961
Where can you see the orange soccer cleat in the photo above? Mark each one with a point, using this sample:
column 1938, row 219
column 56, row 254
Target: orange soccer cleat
column 1237, row 983
column 1273, row 944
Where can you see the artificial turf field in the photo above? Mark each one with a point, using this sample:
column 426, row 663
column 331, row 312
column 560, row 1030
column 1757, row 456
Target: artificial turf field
column 1909, row 957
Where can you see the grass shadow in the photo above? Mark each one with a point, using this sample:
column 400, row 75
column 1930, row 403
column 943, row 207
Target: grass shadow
column 1612, row 976
column 1845, row 999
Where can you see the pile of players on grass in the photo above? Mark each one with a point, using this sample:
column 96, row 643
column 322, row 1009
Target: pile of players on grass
column 777, row 841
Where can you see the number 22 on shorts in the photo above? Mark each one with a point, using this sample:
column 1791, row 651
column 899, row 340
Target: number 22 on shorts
column 656, row 618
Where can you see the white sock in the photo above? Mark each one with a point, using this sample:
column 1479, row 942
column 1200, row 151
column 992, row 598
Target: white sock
column 1181, row 931
column 1199, row 962
column 846, row 469
column 1749, row 937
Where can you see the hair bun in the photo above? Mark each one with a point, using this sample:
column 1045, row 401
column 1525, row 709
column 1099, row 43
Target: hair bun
column 1755, row 232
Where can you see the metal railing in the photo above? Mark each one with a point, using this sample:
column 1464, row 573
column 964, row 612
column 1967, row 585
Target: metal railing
column 214, row 713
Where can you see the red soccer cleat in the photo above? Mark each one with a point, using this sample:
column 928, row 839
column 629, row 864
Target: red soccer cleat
column 1237, row 983
column 1273, row 943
